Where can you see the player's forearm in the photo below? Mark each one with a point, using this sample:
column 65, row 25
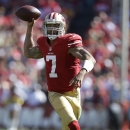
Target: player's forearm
column 89, row 62
column 28, row 43
column 89, row 57
column 82, row 54
column 83, row 71
column 85, row 56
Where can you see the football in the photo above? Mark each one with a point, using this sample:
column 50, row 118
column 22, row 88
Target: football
column 27, row 13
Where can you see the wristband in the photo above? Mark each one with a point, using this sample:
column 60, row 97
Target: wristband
column 88, row 65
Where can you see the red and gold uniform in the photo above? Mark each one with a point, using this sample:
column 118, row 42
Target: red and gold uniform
column 61, row 67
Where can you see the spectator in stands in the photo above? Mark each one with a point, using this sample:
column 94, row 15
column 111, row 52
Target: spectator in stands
column 14, row 104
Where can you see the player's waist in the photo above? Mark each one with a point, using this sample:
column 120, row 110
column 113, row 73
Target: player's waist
column 67, row 93
column 70, row 93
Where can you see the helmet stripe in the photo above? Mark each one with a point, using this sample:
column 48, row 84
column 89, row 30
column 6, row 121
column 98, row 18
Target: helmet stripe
column 51, row 15
column 54, row 15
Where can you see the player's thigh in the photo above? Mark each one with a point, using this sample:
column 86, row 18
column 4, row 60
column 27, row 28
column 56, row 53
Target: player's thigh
column 62, row 107
column 76, row 105
column 75, row 101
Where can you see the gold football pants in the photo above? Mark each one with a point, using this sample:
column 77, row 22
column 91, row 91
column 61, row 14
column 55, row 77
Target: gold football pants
column 67, row 105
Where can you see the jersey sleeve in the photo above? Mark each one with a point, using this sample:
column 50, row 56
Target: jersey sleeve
column 74, row 40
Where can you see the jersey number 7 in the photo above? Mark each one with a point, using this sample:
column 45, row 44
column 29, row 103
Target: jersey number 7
column 53, row 68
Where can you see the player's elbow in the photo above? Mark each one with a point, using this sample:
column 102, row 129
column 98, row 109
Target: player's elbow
column 26, row 54
column 26, row 51
column 92, row 60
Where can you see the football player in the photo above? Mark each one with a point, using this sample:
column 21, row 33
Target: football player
column 62, row 54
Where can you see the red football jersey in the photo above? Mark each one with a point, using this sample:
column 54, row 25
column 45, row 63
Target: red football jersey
column 61, row 66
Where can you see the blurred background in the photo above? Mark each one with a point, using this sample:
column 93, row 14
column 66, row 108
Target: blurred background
column 104, row 27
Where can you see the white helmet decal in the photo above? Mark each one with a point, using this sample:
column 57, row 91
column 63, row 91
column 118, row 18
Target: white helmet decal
column 54, row 18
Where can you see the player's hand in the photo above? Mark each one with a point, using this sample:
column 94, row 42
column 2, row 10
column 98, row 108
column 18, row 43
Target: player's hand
column 77, row 80
column 30, row 24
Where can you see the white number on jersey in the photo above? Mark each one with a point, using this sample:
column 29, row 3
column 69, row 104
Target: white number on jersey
column 53, row 68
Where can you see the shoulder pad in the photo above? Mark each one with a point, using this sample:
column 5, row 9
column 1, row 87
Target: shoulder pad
column 73, row 40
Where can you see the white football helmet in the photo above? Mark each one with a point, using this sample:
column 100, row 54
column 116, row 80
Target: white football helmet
column 54, row 18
